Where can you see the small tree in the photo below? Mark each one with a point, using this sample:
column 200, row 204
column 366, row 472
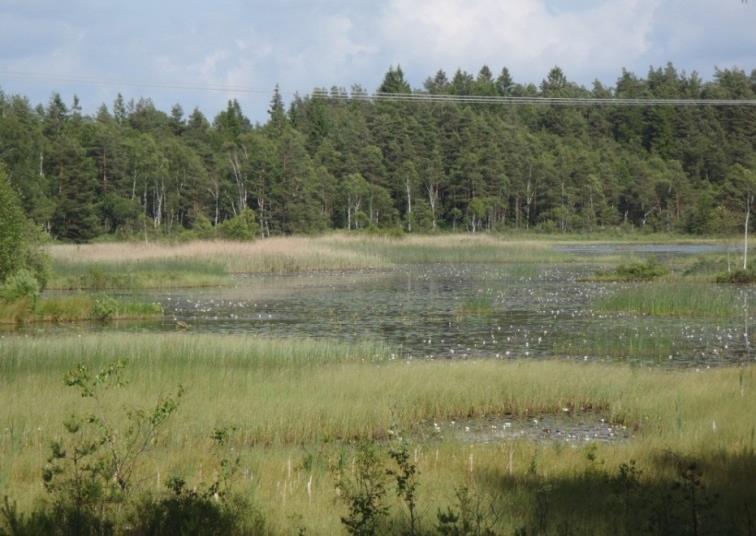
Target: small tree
column 240, row 227
column 365, row 494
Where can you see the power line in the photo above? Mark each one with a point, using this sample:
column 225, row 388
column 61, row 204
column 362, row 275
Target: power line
column 553, row 101
column 397, row 97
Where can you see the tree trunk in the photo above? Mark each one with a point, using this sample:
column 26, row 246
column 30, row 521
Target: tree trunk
column 409, row 207
column 745, row 239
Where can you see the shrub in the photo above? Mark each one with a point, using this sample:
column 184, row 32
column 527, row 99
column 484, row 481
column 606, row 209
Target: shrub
column 21, row 284
column 365, row 495
column 636, row 271
column 104, row 308
column 241, row 227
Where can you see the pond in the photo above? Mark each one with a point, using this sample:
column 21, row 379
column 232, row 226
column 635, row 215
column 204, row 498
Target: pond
column 460, row 311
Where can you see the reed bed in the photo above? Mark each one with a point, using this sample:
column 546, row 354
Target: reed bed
column 299, row 254
column 298, row 405
column 673, row 299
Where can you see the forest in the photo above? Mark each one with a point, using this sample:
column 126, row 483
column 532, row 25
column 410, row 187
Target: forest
column 328, row 161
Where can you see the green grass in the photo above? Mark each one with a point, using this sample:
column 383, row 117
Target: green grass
column 299, row 404
column 620, row 342
column 683, row 300
column 477, row 306
column 142, row 274
column 75, row 308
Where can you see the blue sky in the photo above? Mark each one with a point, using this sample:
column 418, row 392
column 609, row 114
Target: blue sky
column 302, row 44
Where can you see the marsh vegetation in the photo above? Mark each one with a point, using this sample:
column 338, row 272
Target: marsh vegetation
column 420, row 385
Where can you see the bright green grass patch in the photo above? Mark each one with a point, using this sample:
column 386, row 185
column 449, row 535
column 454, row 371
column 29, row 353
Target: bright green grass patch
column 75, row 308
column 674, row 300
column 142, row 274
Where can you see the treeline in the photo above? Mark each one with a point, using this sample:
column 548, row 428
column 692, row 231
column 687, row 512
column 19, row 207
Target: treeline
column 329, row 162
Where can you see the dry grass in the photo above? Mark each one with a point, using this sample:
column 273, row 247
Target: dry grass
column 298, row 254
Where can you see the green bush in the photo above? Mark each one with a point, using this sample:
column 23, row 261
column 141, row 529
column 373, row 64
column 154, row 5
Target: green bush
column 21, row 284
column 241, row 227
column 104, row 308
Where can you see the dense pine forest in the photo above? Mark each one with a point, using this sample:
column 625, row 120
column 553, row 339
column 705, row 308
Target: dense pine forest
column 329, row 162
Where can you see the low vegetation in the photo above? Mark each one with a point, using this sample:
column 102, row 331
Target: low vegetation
column 638, row 271
column 679, row 299
column 74, row 308
column 295, row 413
column 738, row 277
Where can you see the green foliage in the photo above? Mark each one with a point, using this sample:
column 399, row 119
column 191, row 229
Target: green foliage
column 406, row 477
column 104, row 308
column 241, row 227
column 90, row 476
column 142, row 172
column 469, row 518
column 364, row 495
column 89, row 473
column 12, row 225
column 21, row 284
column 637, row 271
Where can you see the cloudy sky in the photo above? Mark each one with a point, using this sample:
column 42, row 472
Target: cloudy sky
column 129, row 45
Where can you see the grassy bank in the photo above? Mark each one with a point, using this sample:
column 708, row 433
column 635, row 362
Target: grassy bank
column 298, row 406
column 75, row 308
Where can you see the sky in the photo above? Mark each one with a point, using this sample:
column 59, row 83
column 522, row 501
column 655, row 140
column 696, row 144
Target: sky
column 135, row 46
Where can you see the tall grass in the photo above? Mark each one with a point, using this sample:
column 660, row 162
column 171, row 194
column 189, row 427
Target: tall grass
column 684, row 300
column 297, row 404
column 75, row 308
column 297, row 254
column 145, row 274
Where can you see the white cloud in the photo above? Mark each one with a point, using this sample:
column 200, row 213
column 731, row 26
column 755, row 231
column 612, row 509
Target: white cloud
column 302, row 44
column 523, row 35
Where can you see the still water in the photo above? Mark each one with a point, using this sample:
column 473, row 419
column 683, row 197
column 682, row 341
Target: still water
column 459, row 311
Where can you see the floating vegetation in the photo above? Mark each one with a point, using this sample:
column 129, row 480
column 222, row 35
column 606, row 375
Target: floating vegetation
column 477, row 306
column 637, row 271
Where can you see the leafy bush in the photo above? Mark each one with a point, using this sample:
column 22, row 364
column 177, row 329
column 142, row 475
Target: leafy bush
column 21, row 284
column 365, row 494
column 241, row 227
column 104, row 308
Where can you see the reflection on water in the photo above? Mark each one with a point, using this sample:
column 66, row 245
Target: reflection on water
column 455, row 311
